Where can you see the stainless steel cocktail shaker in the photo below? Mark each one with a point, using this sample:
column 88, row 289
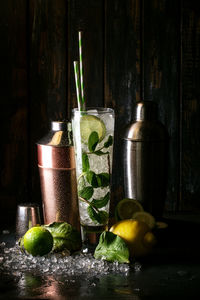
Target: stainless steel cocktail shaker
column 145, row 159
column 56, row 163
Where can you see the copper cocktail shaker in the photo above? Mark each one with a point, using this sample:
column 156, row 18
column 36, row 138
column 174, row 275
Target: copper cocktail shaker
column 57, row 171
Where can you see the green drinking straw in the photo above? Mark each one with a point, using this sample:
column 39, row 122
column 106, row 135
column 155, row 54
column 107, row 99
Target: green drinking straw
column 81, row 69
column 76, row 73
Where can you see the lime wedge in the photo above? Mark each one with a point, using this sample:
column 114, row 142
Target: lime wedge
column 145, row 217
column 126, row 208
column 88, row 124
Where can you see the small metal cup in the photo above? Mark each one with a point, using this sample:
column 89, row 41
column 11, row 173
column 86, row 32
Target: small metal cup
column 28, row 215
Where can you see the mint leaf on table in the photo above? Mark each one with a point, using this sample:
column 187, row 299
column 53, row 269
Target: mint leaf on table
column 85, row 162
column 64, row 236
column 112, row 248
column 109, row 142
column 100, row 217
column 99, row 203
column 86, row 192
column 93, row 141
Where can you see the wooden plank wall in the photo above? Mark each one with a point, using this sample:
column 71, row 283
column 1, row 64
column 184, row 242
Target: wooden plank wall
column 190, row 106
column 14, row 149
column 133, row 49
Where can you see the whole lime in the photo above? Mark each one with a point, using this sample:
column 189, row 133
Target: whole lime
column 38, row 241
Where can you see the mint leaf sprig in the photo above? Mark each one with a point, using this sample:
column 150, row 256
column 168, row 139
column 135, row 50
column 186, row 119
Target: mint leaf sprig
column 94, row 180
column 101, row 217
column 93, row 142
column 94, row 213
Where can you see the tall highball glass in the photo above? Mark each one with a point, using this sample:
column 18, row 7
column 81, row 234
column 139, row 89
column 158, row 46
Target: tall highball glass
column 93, row 134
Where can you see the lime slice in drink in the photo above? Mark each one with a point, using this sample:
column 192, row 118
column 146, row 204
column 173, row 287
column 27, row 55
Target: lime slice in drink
column 88, row 124
column 126, row 208
column 145, row 217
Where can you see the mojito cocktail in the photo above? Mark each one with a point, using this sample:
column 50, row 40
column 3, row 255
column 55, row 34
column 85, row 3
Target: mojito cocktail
column 93, row 133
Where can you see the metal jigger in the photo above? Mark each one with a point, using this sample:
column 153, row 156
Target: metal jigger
column 28, row 215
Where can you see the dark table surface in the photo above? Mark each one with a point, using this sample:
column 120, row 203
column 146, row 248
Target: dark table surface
column 171, row 271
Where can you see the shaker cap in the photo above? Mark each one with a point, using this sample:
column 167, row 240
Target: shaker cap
column 146, row 111
column 60, row 135
column 54, row 149
column 59, row 126
column 146, row 126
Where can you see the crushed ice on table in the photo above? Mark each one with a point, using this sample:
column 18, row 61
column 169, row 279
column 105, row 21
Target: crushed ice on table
column 15, row 261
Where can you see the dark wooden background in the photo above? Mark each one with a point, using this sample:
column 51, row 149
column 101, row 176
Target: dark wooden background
column 132, row 50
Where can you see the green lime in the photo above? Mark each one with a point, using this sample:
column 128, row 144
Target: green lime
column 38, row 241
column 90, row 123
column 126, row 208
column 145, row 217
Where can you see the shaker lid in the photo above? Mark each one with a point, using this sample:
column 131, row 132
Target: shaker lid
column 146, row 126
column 146, row 111
column 60, row 135
column 59, row 126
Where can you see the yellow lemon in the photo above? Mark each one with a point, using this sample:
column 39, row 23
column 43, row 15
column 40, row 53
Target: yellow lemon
column 136, row 234
column 145, row 217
